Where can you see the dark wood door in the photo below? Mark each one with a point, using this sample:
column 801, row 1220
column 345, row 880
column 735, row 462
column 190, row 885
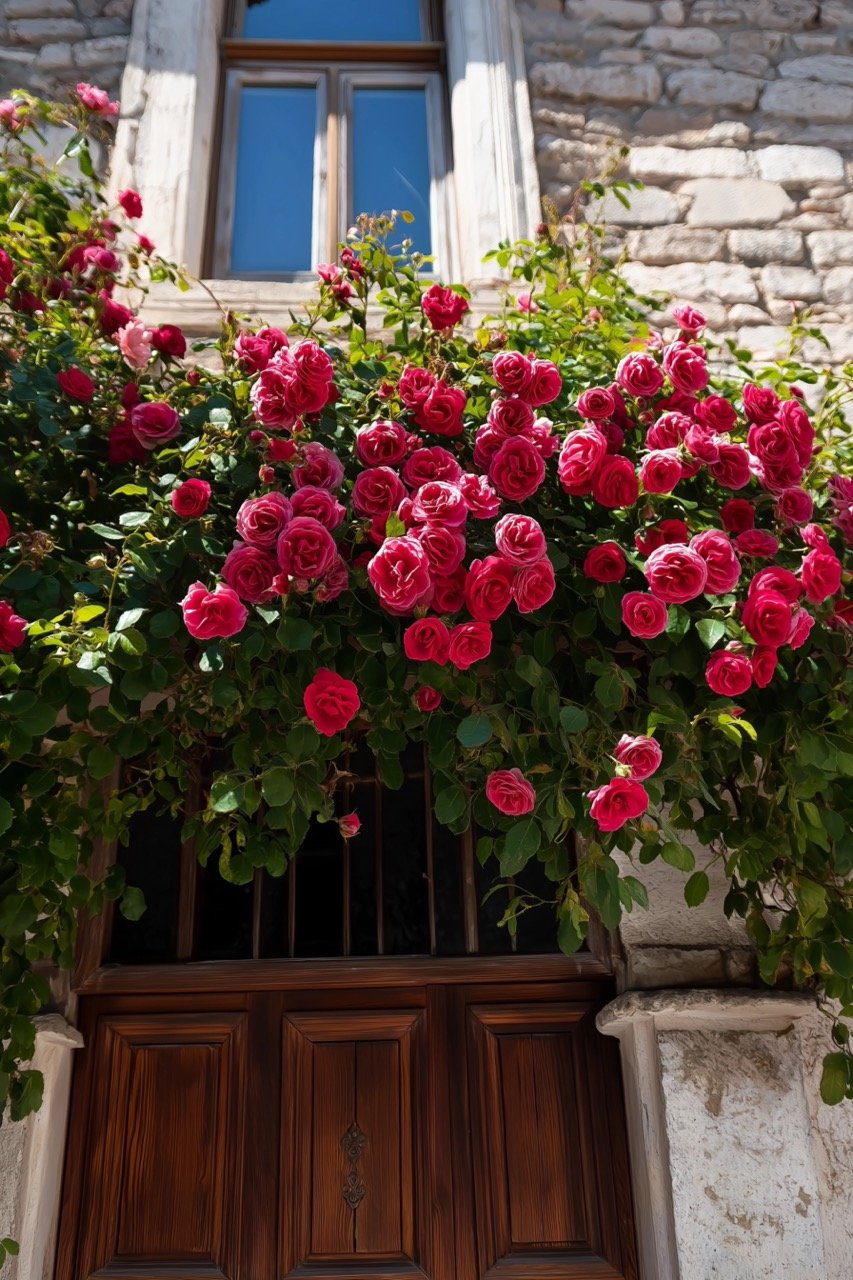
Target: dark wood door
column 443, row 1129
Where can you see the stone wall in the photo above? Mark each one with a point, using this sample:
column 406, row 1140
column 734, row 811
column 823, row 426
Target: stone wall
column 46, row 46
column 738, row 114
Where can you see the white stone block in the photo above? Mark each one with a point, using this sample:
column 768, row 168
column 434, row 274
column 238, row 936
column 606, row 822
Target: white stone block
column 698, row 42
column 830, row 247
column 804, row 100
column 780, row 245
column 672, row 11
column 648, row 207
column 38, row 9
column 616, row 84
column 622, row 13
column 797, row 165
column 676, row 162
column 838, row 285
column 748, row 202
column 665, row 245
column 694, row 281
column 797, row 283
column 705, row 87
column 93, row 53
column 827, row 69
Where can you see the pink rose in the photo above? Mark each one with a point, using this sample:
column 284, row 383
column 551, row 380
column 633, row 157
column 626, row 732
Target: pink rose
column 684, row 364
column 768, row 618
column 349, row 825
column 13, row 629
column 489, row 588
column 581, row 456
column 513, row 372
column 427, row 640
column 114, row 315
column 415, row 386
column 250, row 572
column 525, row 303
column 617, row 802
column 715, row 413
column 318, row 466
column 399, row 574
column 319, row 504
column 676, row 574
column 722, row 563
column 644, row 615
column 381, row 444
column 313, row 371
column 482, row 501
column 737, row 515
column 689, row 320
column 334, row 582
column 5, row 529
column 377, row 492
column 641, row 754
column 169, row 341
column 517, row 470
column 729, row 673
column 510, row 792
column 131, row 202
column 510, row 417
column 261, row 520
column 330, row 702
column 702, row 444
column 470, row 642
column 797, row 423
column 271, row 400
column 534, row 586
column 660, row 471
column 803, row 623
column 774, row 578
column 210, row 615
column 615, row 483
column 794, row 506
column 596, row 403
column 639, row 374
column 520, row 539
column 76, row 384
column 732, row 466
column 255, row 350
column 759, row 403
column 190, row 499
column 96, row 100
column 756, row 543
column 545, row 385
column 448, row 591
column 764, row 661
column 668, row 431
column 605, row 563
column 814, row 536
column 443, row 308
column 154, row 424
column 445, row 548
column 441, row 413
column 306, row 549
column 433, row 463
column 440, row 502
column 427, row 699
column 134, row 342
column 820, row 574
column 657, row 535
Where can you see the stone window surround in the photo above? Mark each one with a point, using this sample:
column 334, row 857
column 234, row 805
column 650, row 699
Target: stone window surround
column 167, row 130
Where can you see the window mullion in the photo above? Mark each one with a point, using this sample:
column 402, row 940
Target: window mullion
column 335, row 142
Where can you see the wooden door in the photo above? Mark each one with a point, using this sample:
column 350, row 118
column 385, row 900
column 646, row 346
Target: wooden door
column 444, row 1129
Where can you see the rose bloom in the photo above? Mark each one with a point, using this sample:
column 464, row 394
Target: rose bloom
column 169, row 340
column 122, row 444
column 134, row 342
column 545, row 385
column 596, row 403
column 318, row 466
column 760, row 403
column 520, row 539
column 76, row 384
column 448, row 594
column 427, row 640
column 668, row 431
column 426, row 698
column 306, row 549
column 255, row 350
column 639, row 374
column 261, row 520
column 525, row 303
column 399, row 574
column 96, row 100
column 445, row 548
column 797, row 423
column 482, row 501
column 542, row 436
column 756, row 543
column 470, row 642
column 250, row 572
column 349, row 825
column 10, row 114
column 5, row 529
column 13, row 628
column 488, row 588
column 432, row 463
column 210, row 615
column 510, row 417
column 641, row 754
column 737, row 515
column 660, row 471
column 657, row 535
column 440, row 502
column 415, row 386
column 279, row 450
column 581, row 456
column 719, row 556
column 377, row 492
column 775, row 578
column 131, row 202
column 381, row 444
column 605, row 563
column 764, row 661
column 101, row 259
column 486, row 444
column 330, row 702
column 517, row 469
column 728, row 673
column 154, row 424
column 534, row 586
column 689, row 320
column 731, row 468
column 820, row 574
column 510, row 792
column 814, row 536
column 794, row 506
column 313, row 372
column 768, row 618
column 684, row 364
column 190, row 499
column 715, row 413
column 702, row 445
column 443, row 308
column 334, row 582
column 513, row 372
column 114, row 315
column 319, row 504
column 644, row 615
column 617, row 802
column 441, row 412
column 615, row 483
column 272, row 400
column 803, row 623
column 676, row 574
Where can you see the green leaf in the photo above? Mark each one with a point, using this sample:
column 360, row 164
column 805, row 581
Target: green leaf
column 6, row 815
column 277, row 786
column 100, row 762
column 296, row 634
column 25, row 1095
column 678, row 855
column 87, row 612
column 18, row 913
column 450, row 804
column 574, row 719
column 520, row 844
column 302, row 742
column 105, row 531
column 474, row 731
column 710, row 630
column 225, row 795
column 609, row 691
column 839, row 957
column 569, row 935
column 833, row 1080
column 134, row 519
column 696, row 889
column 129, row 618
column 164, row 624
column 529, row 669
column 132, row 903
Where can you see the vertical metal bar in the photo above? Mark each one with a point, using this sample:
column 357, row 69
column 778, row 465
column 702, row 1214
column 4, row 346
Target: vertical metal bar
column 430, row 860
column 346, row 869
column 335, row 139
column 190, row 879
column 377, row 863
column 257, row 911
column 291, row 907
column 469, row 893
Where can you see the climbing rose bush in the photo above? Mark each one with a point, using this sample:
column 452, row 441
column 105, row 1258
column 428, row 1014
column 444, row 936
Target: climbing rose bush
column 596, row 568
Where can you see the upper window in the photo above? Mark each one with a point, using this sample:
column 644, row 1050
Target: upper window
column 330, row 109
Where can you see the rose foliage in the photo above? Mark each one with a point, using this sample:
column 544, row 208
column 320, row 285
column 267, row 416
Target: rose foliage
column 598, row 578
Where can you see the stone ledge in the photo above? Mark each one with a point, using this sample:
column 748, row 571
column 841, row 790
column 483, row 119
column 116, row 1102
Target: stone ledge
column 711, row 1010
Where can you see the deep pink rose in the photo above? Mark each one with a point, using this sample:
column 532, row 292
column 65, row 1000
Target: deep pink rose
column 154, row 424
column 737, row 515
column 534, row 586
column 702, row 444
column 122, row 444
column 545, row 385
column 131, row 202
column 688, row 319
column 481, row 499
column 639, row 374
column 312, row 371
column 441, row 413
column 415, row 386
column 349, row 825
column 448, row 591
column 605, row 563
column 729, row 673
column 513, row 372
column 731, row 469
column 768, row 617
column 190, row 499
column 596, row 403
column 381, row 444
column 814, row 536
column 660, row 471
column 820, row 574
column 334, row 582
column 250, row 572
column 684, row 364
column 797, row 423
column 318, row 466
column 319, row 504
column 723, row 565
column 486, row 444
column 510, row 417
column 255, row 350
column 803, row 623
column 102, row 259
column 760, row 403
column 443, row 308
column 640, row 753
column 433, row 463
column 764, row 661
column 330, row 702
column 542, row 436
column 794, row 506
column 644, row 615
column 427, row 640
column 489, row 588
column 581, row 456
column 774, row 578
column 13, row 629
column 5, row 529
column 445, row 548
column 427, row 699
column 676, row 574
column 773, row 446
column 517, row 469
column 440, row 502
column 272, row 401
column 756, row 543
column 617, row 802
column 667, row 531
column 169, row 340
column 210, row 615
column 520, row 539
column 668, row 431
column 399, row 574
column 377, row 492
column 96, row 100
column 615, row 483
column 260, row 521
column 510, row 792
column 470, row 642
column 717, row 414
column 76, row 384
column 114, row 315
column 306, row 549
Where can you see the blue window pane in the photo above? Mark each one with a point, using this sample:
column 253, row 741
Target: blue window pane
column 390, row 155
column 274, row 182
column 383, row 20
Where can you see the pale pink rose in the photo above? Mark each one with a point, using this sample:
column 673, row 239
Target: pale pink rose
column 134, row 342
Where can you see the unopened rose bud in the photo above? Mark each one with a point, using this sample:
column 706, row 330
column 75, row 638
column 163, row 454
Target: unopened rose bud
column 193, row 377
column 266, row 474
column 257, row 437
column 349, row 825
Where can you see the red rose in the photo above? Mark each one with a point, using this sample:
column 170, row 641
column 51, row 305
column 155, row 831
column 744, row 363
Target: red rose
column 657, row 535
column 255, row 350
column 279, row 450
column 615, row 483
column 517, row 470
column 644, row 615
column 715, row 413
column 513, row 372
column 814, row 536
column 729, row 673
column 488, row 588
column 723, row 565
column 596, row 403
column 605, row 563
column 684, row 364
column 641, row 754
column 534, row 586
column 306, row 549
column 154, row 424
column 675, row 574
column 486, row 444
column 349, row 825
column 250, row 572
column 639, row 374
column 131, row 202
column 169, row 340
column 510, row 792
column 443, row 308
column 123, row 446
column 377, row 492
column 440, row 502
column 702, row 445
column 441, row 413
column 760, row 403
column 689, row 320
column 737, row 515
column 774, row 578
column 76, row 384
column 5, row 529
column 427, row 640
column 660, row 471
column 318, row 466
column 768, row 618
column 756, row 543
column 581, row 456
column 399, row 574
column 190, row 499
column 448, row 591
column 330, row 702
column 617, row 802
column 381, row 444
column 545, row 385
column 803, row 623
column 820, row 574
column 319, row 504
column 432, row 463
column 445, row 548
column 313, row 370
column 510, row 417
column 210, row 615
column 470, row 642
column 797, row 423
column 668, row 431
column 520, row 539
column 261, row 520
column 480, row 497
column 271, row 400
column 415, row 386
column 13, row 629
column 794, row 506
column 7, row 273
column 764, row 661
column 732, row 466
column 426, row 698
